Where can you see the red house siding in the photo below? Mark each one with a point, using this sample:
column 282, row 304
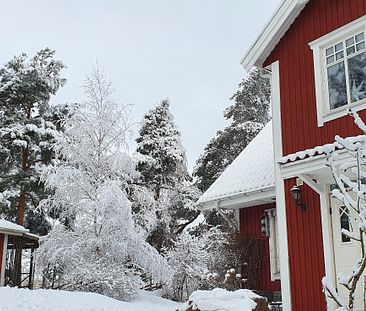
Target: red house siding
column 250, row 222
column 298, row 107
column 300, row 131
column 305, row 250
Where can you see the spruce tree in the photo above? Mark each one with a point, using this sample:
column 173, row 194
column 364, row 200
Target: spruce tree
column 28, row 128
column 161, row 161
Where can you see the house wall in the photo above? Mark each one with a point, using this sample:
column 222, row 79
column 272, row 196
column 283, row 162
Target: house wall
column 250, row 223
column 305, row 250
column 298, row 107
column 300, row 131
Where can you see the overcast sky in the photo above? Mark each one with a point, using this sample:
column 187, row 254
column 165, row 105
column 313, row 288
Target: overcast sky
column 185, row 50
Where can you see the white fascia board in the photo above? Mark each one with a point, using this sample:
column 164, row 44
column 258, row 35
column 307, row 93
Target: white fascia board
column 293, row 169
column 272, row 33
column 265, row 195
column 13, row 232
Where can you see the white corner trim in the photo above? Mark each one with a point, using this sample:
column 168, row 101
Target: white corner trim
column 280, row 188
column 273, row 31
column 318, row 46
column 327, row 241
column 3, row 262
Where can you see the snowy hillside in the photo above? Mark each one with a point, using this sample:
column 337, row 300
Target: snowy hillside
column 13, row 299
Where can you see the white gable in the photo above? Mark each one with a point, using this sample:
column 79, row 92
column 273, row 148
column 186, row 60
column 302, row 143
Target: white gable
column 250, row 178
column 272, row 33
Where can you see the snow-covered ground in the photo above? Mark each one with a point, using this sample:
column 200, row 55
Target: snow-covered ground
column 13, row 299
column 222, row 300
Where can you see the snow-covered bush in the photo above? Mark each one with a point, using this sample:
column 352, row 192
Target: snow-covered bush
column 97, row 246
column 188, row 260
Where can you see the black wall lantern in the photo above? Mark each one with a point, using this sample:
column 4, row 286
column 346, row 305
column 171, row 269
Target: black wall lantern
column 296, row 195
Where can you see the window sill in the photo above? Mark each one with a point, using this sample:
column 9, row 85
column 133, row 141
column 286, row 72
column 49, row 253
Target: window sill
column 341, row 112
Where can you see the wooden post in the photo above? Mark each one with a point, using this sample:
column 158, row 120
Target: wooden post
column 31, row 270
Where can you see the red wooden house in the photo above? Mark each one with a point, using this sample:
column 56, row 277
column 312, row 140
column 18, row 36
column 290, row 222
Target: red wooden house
column 315, row 50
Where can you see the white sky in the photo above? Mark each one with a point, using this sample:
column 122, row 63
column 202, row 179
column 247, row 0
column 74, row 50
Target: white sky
column 186, row 50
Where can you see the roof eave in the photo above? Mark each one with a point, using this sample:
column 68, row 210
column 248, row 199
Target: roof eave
column 236, row 200
column 272, row 33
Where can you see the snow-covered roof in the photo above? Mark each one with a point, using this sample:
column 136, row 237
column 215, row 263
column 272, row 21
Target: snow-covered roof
column 272, row 33
column 249, row 178
column 9, row 227
column 318, row 150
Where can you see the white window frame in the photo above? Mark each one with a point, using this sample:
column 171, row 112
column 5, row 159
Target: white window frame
column 274, row 255
column 324, row 114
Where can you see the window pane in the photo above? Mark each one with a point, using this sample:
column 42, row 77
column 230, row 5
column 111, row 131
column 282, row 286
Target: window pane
column 329, row 51
column 350, row 50
column 350, row 41
column 360, row 46
column 359, row 37
column 357, row 76
column 344, row 223
column 339, row 55
column 339, row 47
column 337, row 86
column 330, row 59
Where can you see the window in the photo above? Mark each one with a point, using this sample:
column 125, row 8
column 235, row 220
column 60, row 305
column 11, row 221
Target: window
column 345, row 223
column 272, row 233
column 340, row 71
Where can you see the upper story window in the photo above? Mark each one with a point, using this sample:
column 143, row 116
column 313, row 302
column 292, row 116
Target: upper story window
column 340, row 71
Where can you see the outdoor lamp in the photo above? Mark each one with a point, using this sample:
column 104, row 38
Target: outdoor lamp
column 296, row 195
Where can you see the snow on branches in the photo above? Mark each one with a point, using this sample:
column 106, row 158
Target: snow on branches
column 98, row 246
column 28, row 128
column 349, row 175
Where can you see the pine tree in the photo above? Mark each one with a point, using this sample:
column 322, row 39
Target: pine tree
column 248, row 114
column 162, row 163
column 28, row 128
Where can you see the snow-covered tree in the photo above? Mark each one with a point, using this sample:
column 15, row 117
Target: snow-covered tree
column 188, row 259
column 349, row 176
column 161, row 161
column 248, row 114
column 28, row 128
column 101, row 249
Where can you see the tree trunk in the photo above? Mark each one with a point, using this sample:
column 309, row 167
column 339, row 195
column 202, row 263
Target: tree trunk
column 20, row 221
column 21, row 202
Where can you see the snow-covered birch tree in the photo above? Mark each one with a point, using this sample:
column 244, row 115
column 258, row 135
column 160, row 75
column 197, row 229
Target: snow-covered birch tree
column 349, row 176
column 100, row 249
